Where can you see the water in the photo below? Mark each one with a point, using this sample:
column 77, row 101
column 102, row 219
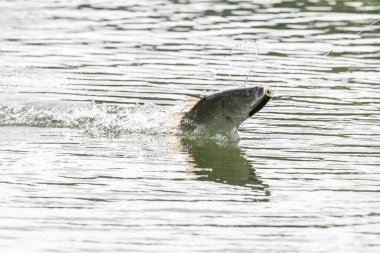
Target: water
column 91, row 162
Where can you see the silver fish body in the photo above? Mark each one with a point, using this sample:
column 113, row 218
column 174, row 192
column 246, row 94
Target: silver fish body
column 223, row 112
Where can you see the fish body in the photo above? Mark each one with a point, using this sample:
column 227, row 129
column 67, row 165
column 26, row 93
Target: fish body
column 223, row 112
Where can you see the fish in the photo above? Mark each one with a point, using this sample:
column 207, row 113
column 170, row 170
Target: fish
column 223, row 112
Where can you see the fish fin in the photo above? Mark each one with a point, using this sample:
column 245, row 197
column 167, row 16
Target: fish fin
column 192, row 100
column 195, row 96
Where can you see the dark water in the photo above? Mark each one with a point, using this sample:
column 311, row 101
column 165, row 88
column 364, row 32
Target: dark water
column 91, row 161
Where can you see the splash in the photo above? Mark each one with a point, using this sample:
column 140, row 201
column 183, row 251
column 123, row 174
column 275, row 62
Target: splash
column 96, row 119
column 109, row 120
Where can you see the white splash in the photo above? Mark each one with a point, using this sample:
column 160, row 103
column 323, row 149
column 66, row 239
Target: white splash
column 96, row 119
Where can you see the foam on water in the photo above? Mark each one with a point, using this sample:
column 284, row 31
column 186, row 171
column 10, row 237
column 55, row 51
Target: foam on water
column 96, row 119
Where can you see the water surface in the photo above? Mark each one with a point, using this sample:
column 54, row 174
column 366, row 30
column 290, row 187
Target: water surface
column 89, row 159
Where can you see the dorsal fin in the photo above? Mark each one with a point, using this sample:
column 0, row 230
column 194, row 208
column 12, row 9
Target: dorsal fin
column 192, row 100
column 195, row 96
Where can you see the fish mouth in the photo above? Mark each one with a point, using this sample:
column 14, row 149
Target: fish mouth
column 261, row 102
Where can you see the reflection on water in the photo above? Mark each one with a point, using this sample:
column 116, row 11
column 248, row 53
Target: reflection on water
column 222, row 163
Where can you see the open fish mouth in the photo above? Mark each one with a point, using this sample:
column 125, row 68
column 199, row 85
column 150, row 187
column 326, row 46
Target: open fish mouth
column 261, row 102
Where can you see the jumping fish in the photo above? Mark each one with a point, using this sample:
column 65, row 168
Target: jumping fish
column 223, row 112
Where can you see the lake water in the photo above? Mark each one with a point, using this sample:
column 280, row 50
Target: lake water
column 91, row 162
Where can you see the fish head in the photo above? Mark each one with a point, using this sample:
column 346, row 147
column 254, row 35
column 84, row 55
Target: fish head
column 240, row 104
